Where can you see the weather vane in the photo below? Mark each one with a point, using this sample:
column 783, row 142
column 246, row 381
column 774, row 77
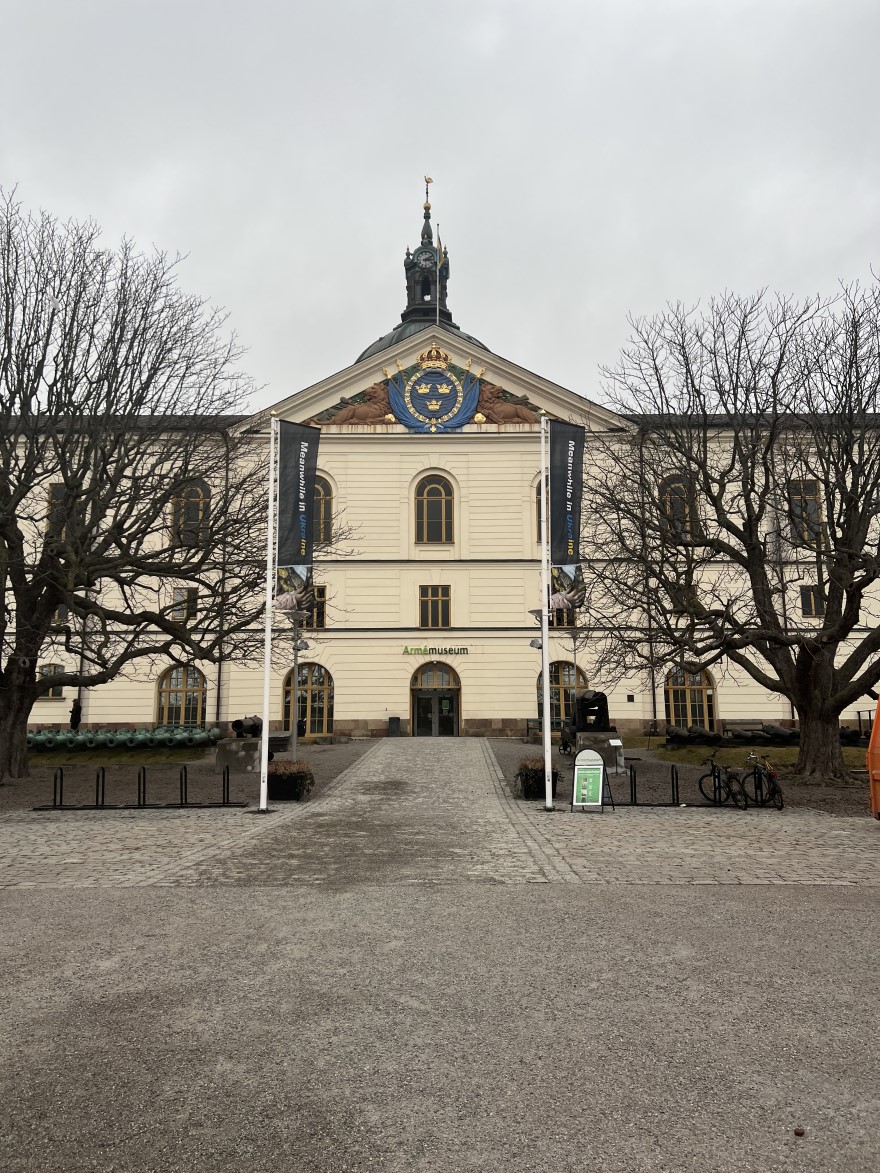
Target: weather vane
column 428, row 180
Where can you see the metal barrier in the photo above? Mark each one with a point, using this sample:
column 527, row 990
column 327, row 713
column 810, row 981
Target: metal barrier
column 674, row 799
column 100, row 803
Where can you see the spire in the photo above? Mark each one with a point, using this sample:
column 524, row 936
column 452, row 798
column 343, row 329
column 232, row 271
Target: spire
column 427, row 270
column 427, row 234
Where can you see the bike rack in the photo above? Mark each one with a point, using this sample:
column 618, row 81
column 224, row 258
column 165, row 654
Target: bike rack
column 100, row 803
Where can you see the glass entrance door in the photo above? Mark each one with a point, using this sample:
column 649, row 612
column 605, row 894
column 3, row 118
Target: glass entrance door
column 435, row 692
column 446, row 714
column 425, row 715
column 436, row 714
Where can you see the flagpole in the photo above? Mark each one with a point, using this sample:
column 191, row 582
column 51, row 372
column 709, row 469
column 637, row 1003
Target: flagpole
column 267, row 628
column 545, row 625
column 439, row 265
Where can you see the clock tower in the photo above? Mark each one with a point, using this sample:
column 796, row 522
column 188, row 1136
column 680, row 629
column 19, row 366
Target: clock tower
column 427, row 271
column 422, row 268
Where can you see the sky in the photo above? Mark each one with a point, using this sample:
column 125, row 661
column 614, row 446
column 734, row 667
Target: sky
column 592, row 159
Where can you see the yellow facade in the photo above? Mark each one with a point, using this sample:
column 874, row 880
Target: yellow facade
column 373, row 644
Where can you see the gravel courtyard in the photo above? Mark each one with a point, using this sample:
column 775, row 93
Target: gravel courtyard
column 415, row 970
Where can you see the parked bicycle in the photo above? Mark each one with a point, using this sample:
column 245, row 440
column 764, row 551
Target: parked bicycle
column 764, row 785
column 722, row 784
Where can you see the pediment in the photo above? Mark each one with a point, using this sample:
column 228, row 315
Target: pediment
column 421, row 379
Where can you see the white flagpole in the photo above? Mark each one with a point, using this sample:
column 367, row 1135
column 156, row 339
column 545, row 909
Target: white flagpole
column 545, row 625
column 267, row 629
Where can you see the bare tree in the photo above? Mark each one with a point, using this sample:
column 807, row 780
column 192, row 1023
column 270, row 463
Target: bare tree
column 738, row 518
column 130, row 515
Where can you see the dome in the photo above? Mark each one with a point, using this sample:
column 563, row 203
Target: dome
column 407, row 329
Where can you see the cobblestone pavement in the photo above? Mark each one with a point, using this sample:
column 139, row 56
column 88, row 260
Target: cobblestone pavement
column 432, row 812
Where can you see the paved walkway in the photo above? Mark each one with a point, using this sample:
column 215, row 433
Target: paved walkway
column 432, row 812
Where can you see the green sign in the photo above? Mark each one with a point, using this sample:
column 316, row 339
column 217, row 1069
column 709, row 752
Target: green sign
column 432, row 651
column 589, row 777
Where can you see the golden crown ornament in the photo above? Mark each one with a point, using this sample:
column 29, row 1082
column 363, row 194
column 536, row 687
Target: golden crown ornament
column 433, row 357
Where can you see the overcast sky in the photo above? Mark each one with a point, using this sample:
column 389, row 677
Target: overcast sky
column 591, row 158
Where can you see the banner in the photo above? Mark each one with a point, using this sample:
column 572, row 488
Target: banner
column 566, row 491
column 297, row 465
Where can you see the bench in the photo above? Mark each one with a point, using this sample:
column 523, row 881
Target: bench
column 747, row 726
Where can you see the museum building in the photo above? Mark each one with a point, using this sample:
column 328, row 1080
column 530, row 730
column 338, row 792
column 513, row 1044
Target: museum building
column 429, row 465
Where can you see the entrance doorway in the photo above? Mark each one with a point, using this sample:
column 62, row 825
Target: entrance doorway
column 435, row 693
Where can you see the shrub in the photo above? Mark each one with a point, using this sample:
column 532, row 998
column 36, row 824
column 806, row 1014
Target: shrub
column 530, row 777
column 290, row 779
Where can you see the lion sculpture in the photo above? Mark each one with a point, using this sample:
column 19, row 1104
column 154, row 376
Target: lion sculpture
column 503, row 411
column 372, row 410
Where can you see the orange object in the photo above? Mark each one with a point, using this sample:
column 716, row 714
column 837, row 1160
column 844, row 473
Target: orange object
column 872, row 759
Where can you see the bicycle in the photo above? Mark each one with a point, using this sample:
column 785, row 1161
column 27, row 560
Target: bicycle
column 718, row 789
column 765, row 787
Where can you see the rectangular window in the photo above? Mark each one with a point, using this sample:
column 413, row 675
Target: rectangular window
column 185, row 601
column 46, row 670
column 812, row 602
column 805, row 510
column 318, row 611
column 434, row 606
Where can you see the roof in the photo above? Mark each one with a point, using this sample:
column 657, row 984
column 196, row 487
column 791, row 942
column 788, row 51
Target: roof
column 407, row 329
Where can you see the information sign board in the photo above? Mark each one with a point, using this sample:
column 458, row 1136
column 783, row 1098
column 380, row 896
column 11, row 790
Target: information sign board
column 589, row 781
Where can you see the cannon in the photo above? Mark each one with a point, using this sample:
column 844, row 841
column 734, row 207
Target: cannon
column 248, row 727
column 591, row 712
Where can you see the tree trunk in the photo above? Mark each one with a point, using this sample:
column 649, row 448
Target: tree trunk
column 15, row 708
column 821, row 754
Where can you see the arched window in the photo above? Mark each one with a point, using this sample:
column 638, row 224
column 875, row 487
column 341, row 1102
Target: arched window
column 189, row 514
column 181, row 696
column 562, row 692
column 434, row 501
column 314, row 699
column 690, row 699
column 323, row 514
column 807, row 524
column 435, row 675
column 678, row 506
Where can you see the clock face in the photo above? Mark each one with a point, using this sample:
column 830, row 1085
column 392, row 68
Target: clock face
column 425, row 260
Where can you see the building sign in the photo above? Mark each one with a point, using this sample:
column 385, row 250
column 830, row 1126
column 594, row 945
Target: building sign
column 407, row 651
column 589, row 779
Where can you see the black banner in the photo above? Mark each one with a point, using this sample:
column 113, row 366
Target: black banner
column 297, row 464
column 566, row 491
